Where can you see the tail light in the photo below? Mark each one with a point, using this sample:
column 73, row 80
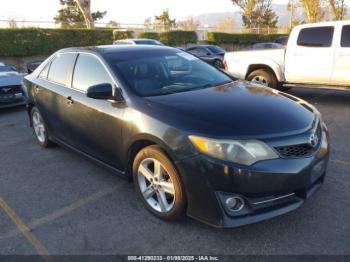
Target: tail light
column 225, row 65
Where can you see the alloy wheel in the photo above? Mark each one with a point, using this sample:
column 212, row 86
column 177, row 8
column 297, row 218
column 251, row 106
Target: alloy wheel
column 39, row 127
column 156, row 186
column 260, row 80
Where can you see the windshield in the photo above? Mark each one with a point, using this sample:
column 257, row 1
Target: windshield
column 160, row 73
column 6, row 69
column 216, row 49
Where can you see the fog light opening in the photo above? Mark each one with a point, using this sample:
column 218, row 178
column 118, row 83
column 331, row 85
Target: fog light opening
column 234, row 204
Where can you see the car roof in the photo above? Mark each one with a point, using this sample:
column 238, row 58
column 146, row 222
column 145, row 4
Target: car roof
column 104, row 49
column 328, row 23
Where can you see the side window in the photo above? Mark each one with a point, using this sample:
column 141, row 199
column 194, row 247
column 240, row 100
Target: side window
column 345, row 36
column 197, row 51
column 316, row 36
column 89, row 71
column 45, row 71
column 61, row 67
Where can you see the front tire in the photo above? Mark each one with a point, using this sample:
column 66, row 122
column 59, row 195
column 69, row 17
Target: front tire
column 39, row 128
column 158, row 184
column 263, row 77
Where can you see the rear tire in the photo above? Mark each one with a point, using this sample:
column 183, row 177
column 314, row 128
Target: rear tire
column 158, row 184
column 40, row 129
column 263, row 77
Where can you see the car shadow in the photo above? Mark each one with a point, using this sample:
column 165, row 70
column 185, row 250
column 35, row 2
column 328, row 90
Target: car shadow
column 327, row 97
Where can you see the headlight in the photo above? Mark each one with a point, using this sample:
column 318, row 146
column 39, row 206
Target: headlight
column 244, row 152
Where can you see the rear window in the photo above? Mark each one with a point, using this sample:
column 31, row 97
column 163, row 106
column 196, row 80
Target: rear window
column 216, row 49
column 316, row 36
column 345, row 36
column 60, row 68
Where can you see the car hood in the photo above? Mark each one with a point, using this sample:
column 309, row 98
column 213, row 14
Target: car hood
column 10, row 78
column 239, row 109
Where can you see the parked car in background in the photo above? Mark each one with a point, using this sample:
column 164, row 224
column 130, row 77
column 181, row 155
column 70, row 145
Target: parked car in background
column 211, row 54
column 32, row 65
column 11, row 91
column 192, row 139
column 138, row 41
column 259, row 46
column 317, row 55
column 282, row 40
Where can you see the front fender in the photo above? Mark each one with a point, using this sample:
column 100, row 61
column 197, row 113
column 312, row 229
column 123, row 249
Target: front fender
column 266, row 63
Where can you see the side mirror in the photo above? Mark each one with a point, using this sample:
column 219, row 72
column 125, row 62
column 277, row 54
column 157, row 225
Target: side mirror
column 101, row 91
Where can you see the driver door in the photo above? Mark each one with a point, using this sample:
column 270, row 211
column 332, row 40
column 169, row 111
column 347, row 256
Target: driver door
column 94, row 126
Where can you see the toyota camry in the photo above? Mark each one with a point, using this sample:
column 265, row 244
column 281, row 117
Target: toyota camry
column 192, row 139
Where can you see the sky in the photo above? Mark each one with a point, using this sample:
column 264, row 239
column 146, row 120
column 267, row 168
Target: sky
column 125, row 12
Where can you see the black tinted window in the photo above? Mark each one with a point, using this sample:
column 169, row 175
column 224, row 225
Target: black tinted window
column 89, row 71
column 316, row 36
column 164, row 72
column 345, row 36
column 61, row 67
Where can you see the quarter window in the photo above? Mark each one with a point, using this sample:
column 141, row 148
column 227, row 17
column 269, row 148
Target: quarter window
column 44, row 72
column 345, row 36
column 316, row 36
column 88, row 72
column 61, row 67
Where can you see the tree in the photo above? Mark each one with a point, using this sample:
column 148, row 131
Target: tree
column 291, row 7
column 226, row 25
column 338, row 9
column 71, row 14
column 313, row 10
column 163, row 21
column 257, row 13
column 113, row 24
column 189, row 24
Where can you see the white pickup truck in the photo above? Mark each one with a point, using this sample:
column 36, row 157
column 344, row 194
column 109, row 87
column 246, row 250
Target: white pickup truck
column 316, row 55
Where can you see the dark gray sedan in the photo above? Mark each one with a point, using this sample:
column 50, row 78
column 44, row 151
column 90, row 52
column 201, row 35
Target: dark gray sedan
column 11, row 91
column 211, row 54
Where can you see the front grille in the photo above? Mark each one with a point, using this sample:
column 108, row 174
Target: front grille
column 295, row 150
column 7, row 90
column 301, row 150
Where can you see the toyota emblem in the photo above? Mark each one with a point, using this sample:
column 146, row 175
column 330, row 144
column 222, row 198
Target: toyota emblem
column 313, row 140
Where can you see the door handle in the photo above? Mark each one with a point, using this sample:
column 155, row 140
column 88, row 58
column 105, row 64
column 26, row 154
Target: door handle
column 343, row 54
column 70, row 101
column 36, row 89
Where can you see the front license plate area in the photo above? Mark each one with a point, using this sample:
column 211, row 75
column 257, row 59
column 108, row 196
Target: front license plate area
column 7, row 98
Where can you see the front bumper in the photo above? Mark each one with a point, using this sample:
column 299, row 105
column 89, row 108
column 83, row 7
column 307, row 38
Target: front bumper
column 268, row 188
column 12, row 100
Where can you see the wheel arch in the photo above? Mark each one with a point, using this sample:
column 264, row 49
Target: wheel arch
column 272, row 68
column 140, row 142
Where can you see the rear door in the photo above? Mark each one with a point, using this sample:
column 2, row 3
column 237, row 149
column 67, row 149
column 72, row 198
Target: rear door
column 50, row 92
column 341, row 71
column 93, row 126
column 309, row 59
